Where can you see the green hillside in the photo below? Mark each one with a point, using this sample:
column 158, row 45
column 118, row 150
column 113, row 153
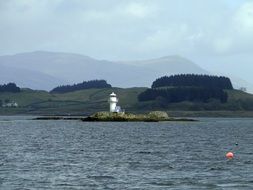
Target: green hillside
column 88, row 101
column 78, row 102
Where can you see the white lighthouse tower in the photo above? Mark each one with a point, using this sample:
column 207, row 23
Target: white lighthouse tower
column 113, row 100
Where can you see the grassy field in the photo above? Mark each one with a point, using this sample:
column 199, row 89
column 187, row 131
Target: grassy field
column 85, row 102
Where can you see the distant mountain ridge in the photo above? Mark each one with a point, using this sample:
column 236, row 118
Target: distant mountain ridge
column 28, row 78
column 169, row 65
column 46, row 70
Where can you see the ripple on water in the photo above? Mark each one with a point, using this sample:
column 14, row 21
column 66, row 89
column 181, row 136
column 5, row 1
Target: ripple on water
column 167, row 155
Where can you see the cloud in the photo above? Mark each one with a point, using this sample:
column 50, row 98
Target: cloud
column 127, row 29
column 223, row 45
column 138, row 10
column 235, row 37
column 214, row 33
column 169, row 39
column 244, row 18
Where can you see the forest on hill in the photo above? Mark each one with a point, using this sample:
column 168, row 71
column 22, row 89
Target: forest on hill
column 188, row 87
column 81, row 86
column 205, row 81
column 179, row 94
column 10, row 87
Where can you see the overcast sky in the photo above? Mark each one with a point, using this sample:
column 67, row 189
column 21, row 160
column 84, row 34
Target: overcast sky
column 216, row 34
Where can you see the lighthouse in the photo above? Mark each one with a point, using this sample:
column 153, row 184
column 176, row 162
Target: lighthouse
column 113, row 100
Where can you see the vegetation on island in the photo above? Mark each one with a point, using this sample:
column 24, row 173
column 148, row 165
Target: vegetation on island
column 153, row 116
column 81, row 86
column 188, row 87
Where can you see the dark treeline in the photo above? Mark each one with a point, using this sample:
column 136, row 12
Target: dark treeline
column 179, row 94
column 205, row 81
column 10, row 87
column 188, row 87
column 81, row 86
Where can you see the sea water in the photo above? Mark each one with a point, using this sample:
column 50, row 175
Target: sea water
column 114, row 155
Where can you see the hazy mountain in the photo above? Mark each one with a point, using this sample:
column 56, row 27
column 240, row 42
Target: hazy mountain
column 169, row 65
column 73, row 68
column 46, row 70
column 27, row 78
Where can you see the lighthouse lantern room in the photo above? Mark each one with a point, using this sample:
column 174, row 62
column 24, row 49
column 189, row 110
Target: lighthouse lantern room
column 113, row 100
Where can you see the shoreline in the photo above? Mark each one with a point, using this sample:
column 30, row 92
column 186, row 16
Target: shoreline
column 175, row 114
column 87, row 119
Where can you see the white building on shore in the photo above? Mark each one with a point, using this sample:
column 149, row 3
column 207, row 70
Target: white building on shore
column 10, row 105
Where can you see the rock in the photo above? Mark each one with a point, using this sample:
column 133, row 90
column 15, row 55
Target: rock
column 154, row 116
column 108, row 116
column 159, row 115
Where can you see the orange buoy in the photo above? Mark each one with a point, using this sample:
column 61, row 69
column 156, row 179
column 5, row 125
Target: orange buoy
column 230, row 155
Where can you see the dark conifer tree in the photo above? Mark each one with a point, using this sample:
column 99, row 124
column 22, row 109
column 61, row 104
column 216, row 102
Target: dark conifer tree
column 205, row 81
column 10, row 87
column 188, row 87
column 81, row 86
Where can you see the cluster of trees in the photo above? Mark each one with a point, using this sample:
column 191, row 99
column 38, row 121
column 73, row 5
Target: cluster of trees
column 188, row 87
column 179, row 94
column 10, row 87
column 81, row 86
column 205, row 81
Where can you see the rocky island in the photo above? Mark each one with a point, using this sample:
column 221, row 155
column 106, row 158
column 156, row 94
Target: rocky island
column 154, row 116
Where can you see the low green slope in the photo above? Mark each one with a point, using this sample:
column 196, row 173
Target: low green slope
column 26, row 96
column 88, row 101
column 239, row 95
column 78, row 102
column 240, row 100
column 237, row 101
